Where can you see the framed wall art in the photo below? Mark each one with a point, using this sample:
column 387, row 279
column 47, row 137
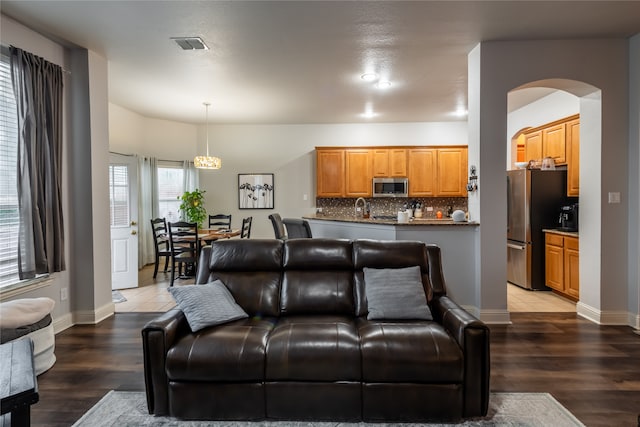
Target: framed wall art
column 255, row 190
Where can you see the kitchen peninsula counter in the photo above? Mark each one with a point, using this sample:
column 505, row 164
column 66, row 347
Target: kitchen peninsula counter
column 457, row 241
column 561, row 232
column 390, row 221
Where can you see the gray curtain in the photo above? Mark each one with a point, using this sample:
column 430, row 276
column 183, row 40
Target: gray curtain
column 148, row 208
column 37, row 86
column 190, row 176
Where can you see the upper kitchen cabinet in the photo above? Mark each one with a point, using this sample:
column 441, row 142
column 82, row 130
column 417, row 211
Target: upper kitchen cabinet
column 452, row 172
column 553, row 143
column 422, row 172
column 389, row 162
column 573, row 158
column 561, row 141
column 330, row 172
column 533, row 145
column 358, row 173
column 431, row 171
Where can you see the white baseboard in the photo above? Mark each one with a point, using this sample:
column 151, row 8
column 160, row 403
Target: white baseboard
column 605, row 317
column 63, row 322
column 88, row 317
column 634, row 321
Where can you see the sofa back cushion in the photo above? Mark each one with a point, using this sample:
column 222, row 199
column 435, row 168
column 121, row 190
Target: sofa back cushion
column 317, row 277
column 250, row 268
column 387, row 254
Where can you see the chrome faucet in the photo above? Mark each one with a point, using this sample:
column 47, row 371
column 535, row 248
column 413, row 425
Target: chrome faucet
column 364, row 206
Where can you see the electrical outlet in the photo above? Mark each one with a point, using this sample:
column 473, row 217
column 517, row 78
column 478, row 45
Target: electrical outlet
column 429, row 208
column 63, row 294
column 305, row 197
column 614, row 197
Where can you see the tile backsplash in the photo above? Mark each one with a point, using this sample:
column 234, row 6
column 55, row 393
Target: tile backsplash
column 341, row 207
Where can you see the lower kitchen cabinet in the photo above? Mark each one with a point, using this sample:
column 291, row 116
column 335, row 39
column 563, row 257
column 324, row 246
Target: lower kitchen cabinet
column 562, row 262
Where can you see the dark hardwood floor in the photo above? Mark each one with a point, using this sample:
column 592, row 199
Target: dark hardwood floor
column 594, row 371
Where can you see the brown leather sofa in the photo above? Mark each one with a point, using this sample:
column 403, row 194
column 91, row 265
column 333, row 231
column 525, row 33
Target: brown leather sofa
column 307, row 350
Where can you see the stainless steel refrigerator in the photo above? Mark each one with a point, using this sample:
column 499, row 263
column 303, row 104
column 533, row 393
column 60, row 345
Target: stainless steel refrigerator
column 534, row 198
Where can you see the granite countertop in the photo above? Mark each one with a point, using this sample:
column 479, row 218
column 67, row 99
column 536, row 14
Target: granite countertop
column 560, row 232
column 391, row 220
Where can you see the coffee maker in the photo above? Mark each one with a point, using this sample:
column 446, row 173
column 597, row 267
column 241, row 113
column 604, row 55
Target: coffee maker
column 568, row 219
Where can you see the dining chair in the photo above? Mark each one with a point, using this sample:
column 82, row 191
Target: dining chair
column 278, row 226
column 297, row 228
column 245, row 232
column 220, row 221
column 160, row 243
column 183, row 237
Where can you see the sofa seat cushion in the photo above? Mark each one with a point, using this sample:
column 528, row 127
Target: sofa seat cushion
column 231, row 352
column 409, row 351
column 314, row 348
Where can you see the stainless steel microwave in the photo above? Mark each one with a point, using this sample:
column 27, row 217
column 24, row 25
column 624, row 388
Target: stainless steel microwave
column 390, row 187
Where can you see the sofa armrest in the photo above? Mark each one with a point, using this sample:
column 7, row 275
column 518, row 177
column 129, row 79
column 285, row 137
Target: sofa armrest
column 472, row 335
column 158, row 337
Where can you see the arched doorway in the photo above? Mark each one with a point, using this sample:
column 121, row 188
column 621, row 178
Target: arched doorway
column 535, row 104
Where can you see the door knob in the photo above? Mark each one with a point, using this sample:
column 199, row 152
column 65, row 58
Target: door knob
column 134, row 232
column 134, row 223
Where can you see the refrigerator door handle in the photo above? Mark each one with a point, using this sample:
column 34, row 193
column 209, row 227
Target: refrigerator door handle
column 518, row 247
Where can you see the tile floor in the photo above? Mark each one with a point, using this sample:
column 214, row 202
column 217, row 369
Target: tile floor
column 152, row 296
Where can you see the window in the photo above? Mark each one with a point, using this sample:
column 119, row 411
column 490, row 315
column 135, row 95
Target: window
column 119, row 195
column 9, row 219
column 170, row 189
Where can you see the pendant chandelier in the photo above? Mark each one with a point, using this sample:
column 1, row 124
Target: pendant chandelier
column 207, row 162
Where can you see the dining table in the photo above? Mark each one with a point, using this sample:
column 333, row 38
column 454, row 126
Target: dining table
column 209, row 235
column 206, row 236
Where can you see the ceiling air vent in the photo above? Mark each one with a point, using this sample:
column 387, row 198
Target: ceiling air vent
column 190, row 43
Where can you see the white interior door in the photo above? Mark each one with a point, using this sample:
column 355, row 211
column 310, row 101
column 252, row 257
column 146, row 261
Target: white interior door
column 123, row 204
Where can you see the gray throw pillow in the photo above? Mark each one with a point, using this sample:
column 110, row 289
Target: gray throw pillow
column 395, row 293
column 207, row 305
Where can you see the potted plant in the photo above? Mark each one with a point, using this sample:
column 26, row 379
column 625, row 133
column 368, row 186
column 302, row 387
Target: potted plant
column 192, row 206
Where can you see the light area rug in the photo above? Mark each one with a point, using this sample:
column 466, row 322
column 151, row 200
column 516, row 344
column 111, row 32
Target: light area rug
column 129, row 409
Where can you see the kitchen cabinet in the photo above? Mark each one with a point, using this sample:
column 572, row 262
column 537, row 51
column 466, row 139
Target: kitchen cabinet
column 553, row 262
column 573, row 157
column 562, row 261
column 452, row 172
column 432, row 171
column 533, row 146
column 553, row 143
column 422, row 172
column 561, row 141
column 572, row 267
column 358, row 173
column 330, row 172
column 389, row 162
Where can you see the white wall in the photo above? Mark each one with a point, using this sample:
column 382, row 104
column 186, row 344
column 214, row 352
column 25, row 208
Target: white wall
column 132, row 133
column 287, row 151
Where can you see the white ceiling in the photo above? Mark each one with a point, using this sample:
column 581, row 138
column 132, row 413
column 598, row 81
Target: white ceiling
column 301, row 61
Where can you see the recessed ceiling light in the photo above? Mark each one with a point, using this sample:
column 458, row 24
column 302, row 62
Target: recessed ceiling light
column 383, row 84
column 368, row 115
column 190, row 43
column 369, row 77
